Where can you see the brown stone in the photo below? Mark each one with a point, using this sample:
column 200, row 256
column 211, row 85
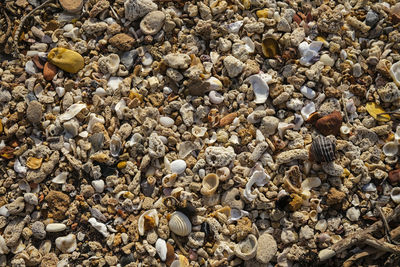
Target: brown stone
column 38, row 63
column 394, row 177
column 72, row 6
column 49, row 71
column 122, row 41
column 58, row 204
column 335, row 196
column 330, row 124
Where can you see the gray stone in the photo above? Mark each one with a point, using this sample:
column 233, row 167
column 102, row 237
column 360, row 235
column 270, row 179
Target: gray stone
column 34, row 112
column 269, row 124
column 389, row 92
column 267, row 248
column 372, row 18
column 128, row 58
column 38, row 230
column 135, row 9
column 152, row 22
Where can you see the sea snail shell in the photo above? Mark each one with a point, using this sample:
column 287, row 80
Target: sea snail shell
column 210, row 184
column 247, row 248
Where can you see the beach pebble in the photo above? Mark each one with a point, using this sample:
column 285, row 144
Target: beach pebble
column 38, row 230
column 66, row 59
column 72, row 6
column 372, row 18
column 30, row 67
column 177, row 60
column 269, row 124
column 178, row 166
column 353, row 214
column 234, row 66
column 166, row 121
column 98, row 185
column 219, row 156
column 55, row 227
column 266, row 249
column 135, row 9
column 122, row 41
column 389, row 93
column 307, row 92
column 49, row 71
column 327, row 60
column 67, row 244
column 152, row 22
column 34, row 112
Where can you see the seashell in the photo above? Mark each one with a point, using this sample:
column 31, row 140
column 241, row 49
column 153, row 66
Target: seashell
column 259, row 84
column 98, row 185
column 247, row 248
column 258, row 177
column 113, row 83
column 55, row 227
column 71, row 128
column 182, row 261
column 185, row 148
column 31, row 198
column 67, row 60
column 353, row 214
column 166, row 121
column 313, row 215
column 212, row 139
column 270, row 47
column 119, row 109
column 109, row 64
column 115, row 145
column 223, row 173
column 395, row 195
column 235, row 26
column 215, row 97
column 4, row 211
column 100, row 227
column 199, row 131
column 236, row 214
column 330, row 124
column 147, row 221
column 210, row 184
column 370, row 187
column 147, row 59
column 322, row 150
column 390, row 149
column 161, row 248
column 376, row 112
column 169, row 180
column 307, row 92
column 178, row 166
column 24, row 185
column 215, row 84
column 71, row 112
column 395, row 73
column 283, row 126
column 180, row 224
column 19, row 168
column 309, row 183
column 298, row 121
column 135, row 139
column 34, row 163
column 345, row 130
column 66, row 244
column 307, row 110
column 309, row 52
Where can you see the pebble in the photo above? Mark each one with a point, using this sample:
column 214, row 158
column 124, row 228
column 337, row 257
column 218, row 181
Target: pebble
column 178, row 166
column 49, row 71
column 72, row 6
column 65, row 59
column 152, row 22
column 330, row 124
column 135, row 9
column 122, row 41
column 34, row 112
column 55, row 227
column 267, row 248
column 38, row 230
column 233, row 66
column 30, row 67
column 177, row 60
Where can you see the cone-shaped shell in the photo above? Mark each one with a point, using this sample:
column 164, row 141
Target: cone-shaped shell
column 210, row 184
column 67, row 60
column 180, row 224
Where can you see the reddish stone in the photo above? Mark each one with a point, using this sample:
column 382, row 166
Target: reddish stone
column 49, row 71
column 394, row 176
column 38, row 63
column 330, row 124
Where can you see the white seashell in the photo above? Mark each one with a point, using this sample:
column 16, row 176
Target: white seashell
column 395, row 73
column 308, row 52
column 24, row 186
column 283, row 126
column 93, row 118
column 152, row 213
column 309, row 183
column 307, row 92
column 98, row 185
column 215, row 97
column 4, row 250
column 4, row 211
column 395, row 195
column 185, row 148
column 109, row 64
column 344, row 129
column 234, row 139
column 247, row 248
column 307, row 110
column 178, row 166
column 353, row 214
column 249, row 44
column 180, row 224
column 100, row 91
column 135, row 139
column 101, row 227
column 235, row 26
column 19, row 168
column 223, row 173
column 167, row 90
column 55, row 227
column 199, row 131
column 214, row 58
column 161, row 248
column 390, row 149
column 166, row 121
column 71, row 128
column 212, row 139
column 119, row 109
column 298, row 121
column 115, row 145
column 236, row 214
column 259, row 83
column 370, row 187
column 113, row 83
column 259, row 177
column 67, row 244
column 147, row 59
column 71, row 112
column 60, row 91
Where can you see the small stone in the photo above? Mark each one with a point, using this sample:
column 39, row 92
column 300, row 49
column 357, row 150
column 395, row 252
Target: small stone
column 389, row 93
column 394, row 177
column 49, row 71
column 335, row 196
column 34, row 112
column 357, row 70
column 283, row 26
column 135, row 9
column 55, row 227
column 152, row 22
column 128, row 58
column 327, row 60
column 99, row 7
column 269, row 124
column 266, row 248
column 58, row 204
column 65, row 59
column 38, row 230
column 234, row 66
column 330, row 124
column 353, row 214
column 177, row 60
column 72, row 6
column 178, row 166
column 372, row 18
column 30, row 67
column 122, row 41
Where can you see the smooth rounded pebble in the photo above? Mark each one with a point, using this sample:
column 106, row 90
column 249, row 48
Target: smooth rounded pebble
column 267, row 248
column 152, row 22
column 178, row 166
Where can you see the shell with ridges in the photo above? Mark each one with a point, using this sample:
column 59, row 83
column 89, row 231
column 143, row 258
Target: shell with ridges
column 323, row 149
column 180, row 224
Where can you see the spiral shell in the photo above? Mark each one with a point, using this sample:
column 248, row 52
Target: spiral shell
column 323, row 150
column 210, row 184
column 180, row 224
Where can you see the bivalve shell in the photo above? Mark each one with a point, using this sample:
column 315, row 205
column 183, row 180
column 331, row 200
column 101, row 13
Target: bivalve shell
column 180, row 224
column 161, row 248
column 259, row 84
column 390, row 149
column 270, row 47
column 322, row 150
column 210, row 184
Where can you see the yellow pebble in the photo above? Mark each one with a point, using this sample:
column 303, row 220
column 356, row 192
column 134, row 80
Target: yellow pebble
column 67, row 60
column 121, row 165
column 346, row 172
column 263, row 13
column 133, row 95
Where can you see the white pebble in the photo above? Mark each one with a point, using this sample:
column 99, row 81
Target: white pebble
column 98, row 185
column 166, row 121
column 215, row 97
column 307, row 92
column 55, row 227
column 178, row 166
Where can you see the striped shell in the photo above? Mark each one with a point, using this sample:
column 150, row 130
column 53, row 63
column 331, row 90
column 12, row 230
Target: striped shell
column 323, row 150
column 180, row 224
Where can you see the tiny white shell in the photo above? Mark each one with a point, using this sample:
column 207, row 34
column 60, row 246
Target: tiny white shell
column 199, row 131
column 307, row 110
column 152, row 213
column 100, row 227
column 215, row 97
column 61, row 178
column 344, row 129
column 166, row 121
column 390, row 149
column 119, row 108
column 307, row 92
column 259, row 83
column 161, row 248
column 4, row 211
column 19, row 168
column 395, row 195
column 311, row 182
column 215, row 84
column 180, row 224
column 283, row 126
column 247, row 248
column 71, row 112
column 113, row 83
column 98, row 185
column 178, row 166
column 259, row 177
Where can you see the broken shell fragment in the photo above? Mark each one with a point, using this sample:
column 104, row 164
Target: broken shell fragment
column 161, row 248
column 395, row 73
column 147, row 221
column 377, row 111
column 247, row 248
column 390, row 149
column 259, row 177
column 55, row 227
column 180, row 224
column 395, row 195
column 210, row 184
column 182, row 261
column 270, row 47
column 34, row 163
column 67, row 244
column 259, row 84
